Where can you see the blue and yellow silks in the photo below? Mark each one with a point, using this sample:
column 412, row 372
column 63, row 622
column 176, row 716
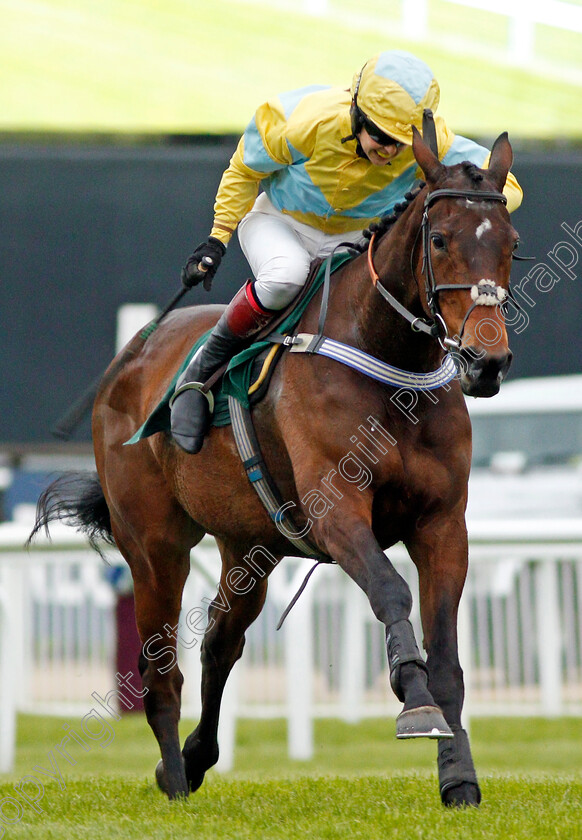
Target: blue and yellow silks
column 293, row 149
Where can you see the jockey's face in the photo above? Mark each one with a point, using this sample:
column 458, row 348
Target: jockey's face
column 379, row 153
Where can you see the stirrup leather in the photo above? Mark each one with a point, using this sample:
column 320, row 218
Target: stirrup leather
column 193, row 386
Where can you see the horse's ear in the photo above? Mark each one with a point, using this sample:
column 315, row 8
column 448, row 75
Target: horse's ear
column 426, row 159
column 500, row 161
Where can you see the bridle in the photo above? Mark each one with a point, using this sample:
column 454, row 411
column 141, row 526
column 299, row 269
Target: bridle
column 484, row 293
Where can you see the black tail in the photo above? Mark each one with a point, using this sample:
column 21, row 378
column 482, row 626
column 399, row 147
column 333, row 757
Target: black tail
column 77, row 499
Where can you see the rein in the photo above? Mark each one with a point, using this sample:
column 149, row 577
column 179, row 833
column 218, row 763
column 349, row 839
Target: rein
column 484, row 293
column 417, row 324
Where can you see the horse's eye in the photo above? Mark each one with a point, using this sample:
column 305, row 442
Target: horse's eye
column 438, row 241
column 516, row 244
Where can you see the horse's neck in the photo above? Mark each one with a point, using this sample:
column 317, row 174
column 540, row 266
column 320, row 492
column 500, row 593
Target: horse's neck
column 382, row 332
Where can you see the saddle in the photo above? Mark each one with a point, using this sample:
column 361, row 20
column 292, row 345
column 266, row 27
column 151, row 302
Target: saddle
column 247, row 375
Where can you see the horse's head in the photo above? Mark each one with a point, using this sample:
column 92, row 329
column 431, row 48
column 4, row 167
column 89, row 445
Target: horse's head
column 468, row 242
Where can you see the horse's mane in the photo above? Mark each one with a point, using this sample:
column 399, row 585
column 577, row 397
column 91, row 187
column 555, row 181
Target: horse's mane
column 472, row 172
column 385, row 223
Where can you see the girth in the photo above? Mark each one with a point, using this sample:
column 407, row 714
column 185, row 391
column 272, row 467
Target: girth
column 261, row 480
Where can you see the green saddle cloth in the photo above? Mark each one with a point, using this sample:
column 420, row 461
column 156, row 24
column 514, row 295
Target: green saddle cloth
column 237, row 377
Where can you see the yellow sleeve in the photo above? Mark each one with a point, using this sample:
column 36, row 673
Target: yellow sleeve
column 237, row 192
column 453, row 148
column 262, row 150
column 513, row 192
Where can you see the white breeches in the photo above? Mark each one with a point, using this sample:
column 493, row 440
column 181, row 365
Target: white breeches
column 279, row 251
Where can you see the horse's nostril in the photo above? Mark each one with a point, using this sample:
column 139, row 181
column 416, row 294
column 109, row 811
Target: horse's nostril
column 482, row 376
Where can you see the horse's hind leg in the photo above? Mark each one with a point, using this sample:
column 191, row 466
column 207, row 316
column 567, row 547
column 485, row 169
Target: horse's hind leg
column 228, row 619
column 158, row 593
column 157, row 602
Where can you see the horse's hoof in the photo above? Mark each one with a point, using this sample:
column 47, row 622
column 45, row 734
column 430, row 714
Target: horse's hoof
column 163, row 784
column 194, row 782
column 161, row 777
column 423, row 722
column 464, row 795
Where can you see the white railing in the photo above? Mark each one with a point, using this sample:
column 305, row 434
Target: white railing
column 522, row 18
column 520, row 634
column 557, row 13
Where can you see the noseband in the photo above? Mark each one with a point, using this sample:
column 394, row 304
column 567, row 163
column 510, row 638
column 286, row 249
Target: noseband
column 484, row 293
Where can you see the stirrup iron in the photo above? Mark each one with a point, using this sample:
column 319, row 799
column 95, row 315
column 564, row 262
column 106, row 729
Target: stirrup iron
column 193, row 386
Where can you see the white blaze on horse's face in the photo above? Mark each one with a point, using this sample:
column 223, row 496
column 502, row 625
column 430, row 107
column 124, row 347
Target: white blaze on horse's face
column 483, row 228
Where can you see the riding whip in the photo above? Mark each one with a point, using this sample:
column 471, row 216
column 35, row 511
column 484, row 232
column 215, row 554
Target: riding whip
column 65, row 427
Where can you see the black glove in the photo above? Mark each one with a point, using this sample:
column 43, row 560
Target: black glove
column 203, row 264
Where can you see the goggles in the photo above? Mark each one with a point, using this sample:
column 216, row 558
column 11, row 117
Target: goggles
column 379, row 136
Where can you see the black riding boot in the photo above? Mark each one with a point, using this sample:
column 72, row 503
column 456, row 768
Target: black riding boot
column 191, row 409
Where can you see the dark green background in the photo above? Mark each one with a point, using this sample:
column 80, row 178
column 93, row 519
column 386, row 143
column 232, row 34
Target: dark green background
column 87, row 228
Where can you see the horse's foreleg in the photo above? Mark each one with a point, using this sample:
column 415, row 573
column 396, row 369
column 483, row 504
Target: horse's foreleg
column 352, row 544
column 228, row 619
column 440, row 553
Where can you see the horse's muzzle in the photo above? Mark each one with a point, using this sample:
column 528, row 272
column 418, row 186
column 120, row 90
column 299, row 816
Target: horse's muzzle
column 482, row 377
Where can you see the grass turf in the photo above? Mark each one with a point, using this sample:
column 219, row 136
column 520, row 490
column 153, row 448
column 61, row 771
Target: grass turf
column 401, row 806
column 188, row 66
column 500, row 745
column 361, row 783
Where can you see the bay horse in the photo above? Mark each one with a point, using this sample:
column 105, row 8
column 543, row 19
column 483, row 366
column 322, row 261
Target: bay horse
column 438, row 268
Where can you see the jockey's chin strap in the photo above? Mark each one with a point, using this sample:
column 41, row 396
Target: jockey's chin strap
column 484, row 293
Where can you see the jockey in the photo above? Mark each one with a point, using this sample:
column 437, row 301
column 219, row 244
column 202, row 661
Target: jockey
column 330, row 162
